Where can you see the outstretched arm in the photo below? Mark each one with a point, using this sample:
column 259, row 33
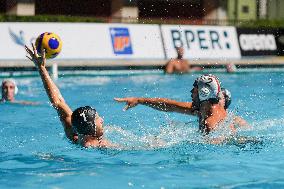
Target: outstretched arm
column 239, row 122
column 26, row 102
column 57, row 101
column 162, row 104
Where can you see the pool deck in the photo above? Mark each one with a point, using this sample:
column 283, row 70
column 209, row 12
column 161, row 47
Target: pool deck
column 88, row 63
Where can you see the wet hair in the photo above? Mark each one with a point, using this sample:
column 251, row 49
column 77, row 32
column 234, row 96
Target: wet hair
column 195, row 84
column 227, row 96
column 83, row 121
column 213, row 100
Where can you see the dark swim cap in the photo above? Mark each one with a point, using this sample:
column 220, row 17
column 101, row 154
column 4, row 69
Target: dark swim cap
column 83, row 120
column 227, row 96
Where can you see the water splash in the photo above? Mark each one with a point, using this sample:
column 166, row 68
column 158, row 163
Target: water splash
column 161, row 137
column 175, row 133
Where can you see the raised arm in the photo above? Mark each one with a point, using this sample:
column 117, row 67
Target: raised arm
column 55, row 97
column 162, row 104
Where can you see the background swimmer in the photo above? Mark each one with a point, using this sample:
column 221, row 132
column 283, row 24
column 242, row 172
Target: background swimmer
column 179, row 65
column 231, row 68
column 9, row 91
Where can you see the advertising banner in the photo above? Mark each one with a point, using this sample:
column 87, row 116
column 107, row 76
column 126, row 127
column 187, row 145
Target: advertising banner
column 257, row 42
column 201, row 42
column 85, row 41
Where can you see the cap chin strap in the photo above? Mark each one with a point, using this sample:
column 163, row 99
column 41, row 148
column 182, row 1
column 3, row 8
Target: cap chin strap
column 98, row 137
column 94, row 124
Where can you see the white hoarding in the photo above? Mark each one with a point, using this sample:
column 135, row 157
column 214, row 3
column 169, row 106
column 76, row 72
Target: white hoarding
column 86, row 41
column 201, row 42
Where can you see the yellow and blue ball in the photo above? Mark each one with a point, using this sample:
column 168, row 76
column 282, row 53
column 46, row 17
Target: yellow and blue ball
column 50, row 42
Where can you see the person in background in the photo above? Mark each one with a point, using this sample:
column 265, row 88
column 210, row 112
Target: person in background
column 231, row 68
column 9, row 91
column 179, row 65
column 82, row 126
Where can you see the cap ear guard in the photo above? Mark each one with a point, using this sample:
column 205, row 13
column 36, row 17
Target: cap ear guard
column 209, row 88
column 204, row 93
column 16, row 90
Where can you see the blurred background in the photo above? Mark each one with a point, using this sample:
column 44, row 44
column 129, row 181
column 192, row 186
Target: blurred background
column 219, row 12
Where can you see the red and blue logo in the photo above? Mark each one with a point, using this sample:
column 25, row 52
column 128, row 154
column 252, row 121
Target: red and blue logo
column 121, row 42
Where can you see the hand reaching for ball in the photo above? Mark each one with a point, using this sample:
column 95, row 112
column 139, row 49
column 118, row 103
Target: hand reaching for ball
column 34, row 57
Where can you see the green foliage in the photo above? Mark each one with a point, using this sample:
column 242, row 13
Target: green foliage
column 60, row 18
column 49, row 18
column 263, row 23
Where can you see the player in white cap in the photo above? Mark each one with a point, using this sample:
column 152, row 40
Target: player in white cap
column 205, row 94
column 211, row 110
column 9, row 91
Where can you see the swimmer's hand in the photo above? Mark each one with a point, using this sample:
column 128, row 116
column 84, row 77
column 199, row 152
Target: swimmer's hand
column 239, row 122
column 34, row 57
column 130, row 102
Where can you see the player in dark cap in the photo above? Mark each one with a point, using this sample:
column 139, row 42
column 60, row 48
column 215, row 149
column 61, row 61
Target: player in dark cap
column 84, row 126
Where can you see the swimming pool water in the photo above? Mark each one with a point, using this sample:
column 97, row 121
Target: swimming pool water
column 36, row 154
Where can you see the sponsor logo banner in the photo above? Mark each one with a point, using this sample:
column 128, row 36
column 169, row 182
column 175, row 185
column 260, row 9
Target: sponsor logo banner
column 121, row 42
column 85, row 41
column 201, row 42
column 257, row 42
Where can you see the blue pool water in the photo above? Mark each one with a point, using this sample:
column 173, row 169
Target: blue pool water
column 36, row 154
